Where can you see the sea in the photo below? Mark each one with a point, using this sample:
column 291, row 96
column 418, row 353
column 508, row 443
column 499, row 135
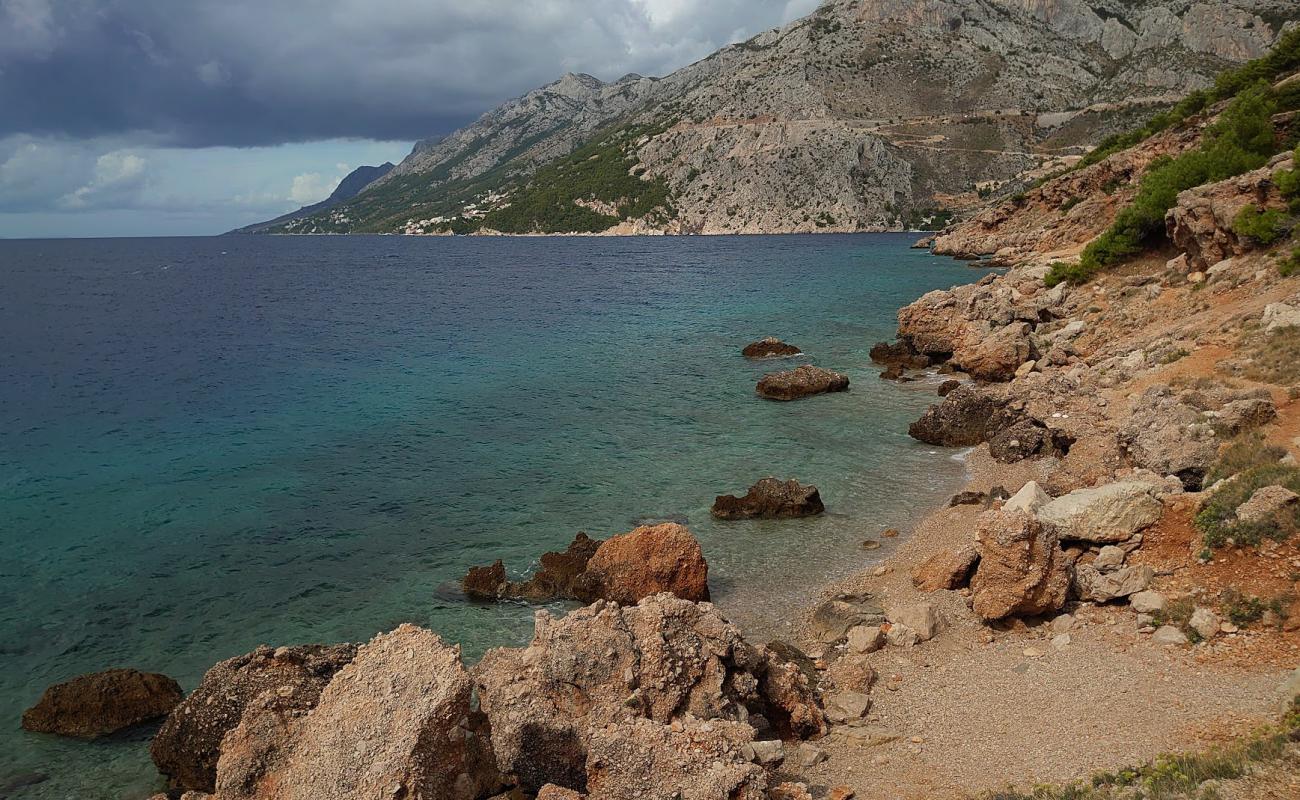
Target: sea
column 208, row 444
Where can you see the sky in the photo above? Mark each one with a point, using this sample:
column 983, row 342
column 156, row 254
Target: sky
column 194, row 117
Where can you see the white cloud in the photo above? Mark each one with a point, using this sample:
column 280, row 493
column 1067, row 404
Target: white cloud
column 119, row 177
column 213, row 73
column 312, row 187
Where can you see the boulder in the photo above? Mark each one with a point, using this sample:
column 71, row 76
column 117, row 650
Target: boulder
column 1147, row 602
column 866, row 639
column 641, row 759
column 947, row 569
column 485, row 583
column 997, row 355
column 833, row 619
column 1168, row 436
column 1201, row 223
column 900, row 635
column 662, row 659
column 966, row 417
column 771, row 499
column 1103, row 515
column 899, row 356
column 1028, row 438
column 1102, row 587
column 1022, row 570
column 1205, row 622
column 395, row 722
column 102, row 703
column 188, row 745
column 921, row 617
column 771, row 347
column 802, row 382
column 629, row 568
column 1028, row 500
column 1266, row 504
column 1169, row 636
column 560, row 575
column 948, row 387
column 1280, row 315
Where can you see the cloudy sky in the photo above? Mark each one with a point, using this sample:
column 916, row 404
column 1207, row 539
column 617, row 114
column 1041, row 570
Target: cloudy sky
column 173, row 117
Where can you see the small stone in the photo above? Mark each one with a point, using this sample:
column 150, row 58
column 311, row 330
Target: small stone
column 768, row 753
column 880, row 571
column 1169, row 636
column 1063, row 623
column 1205, row 622
column 1228, row 627
column 1032, row 652
column 810, row 755
column 1061, row 641
column 841, row 793
column 847, row 707
column 870, row 544
column 866, row 639
column 1147, row 602
column 890, row 533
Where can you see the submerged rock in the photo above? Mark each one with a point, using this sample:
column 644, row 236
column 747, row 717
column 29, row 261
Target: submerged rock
column 771, row 347
column 801, row 382
column 102, row 703
column 771, row 499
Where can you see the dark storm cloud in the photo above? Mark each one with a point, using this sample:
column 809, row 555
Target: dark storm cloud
column 197, row 73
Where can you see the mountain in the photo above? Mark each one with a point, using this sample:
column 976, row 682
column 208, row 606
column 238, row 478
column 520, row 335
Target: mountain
column 348, row 188
column 865, row 115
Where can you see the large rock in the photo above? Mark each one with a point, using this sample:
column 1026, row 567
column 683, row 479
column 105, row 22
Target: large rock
column 1168, row 436
column 650, row 560
column 1280, row 315
column 1267, row 503
column 771, row 499
column 966, row 417
column 899, row 356
column 947, row 569
column 485, row 583
column 188, row 745
column 1105, row 514
column 998, row 355
column 605, row 664
column 396, row 722
column 771, row 347
column 641, row 759
column 833, row 619
column 1028, row 438
column 1201, row 223
column 91, row 706
column 1022, row 569
column 802, row 382
column 1092, row 584
column 558, row 579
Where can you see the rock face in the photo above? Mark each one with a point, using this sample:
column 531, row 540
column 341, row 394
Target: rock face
column 607, row 665
column 641, row 759
column 188, row 745
column 950, row 569
column 1104, row 515
column 629, row 568
column 395, row 722
column 771, row 499
column 96, row 705
column 1201, row 224
column 1022, row 570
column 1267, row 503
column 771, row 347
column 802, row 382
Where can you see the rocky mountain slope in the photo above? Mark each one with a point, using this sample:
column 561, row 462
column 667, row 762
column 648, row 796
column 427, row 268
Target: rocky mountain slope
column 351, row 186
column 866, row 115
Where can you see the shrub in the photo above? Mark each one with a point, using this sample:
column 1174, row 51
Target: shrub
column 1243, row 453
column 1289, row 265
column 1261, row 227
column 1243, row 610
column 1218, row 522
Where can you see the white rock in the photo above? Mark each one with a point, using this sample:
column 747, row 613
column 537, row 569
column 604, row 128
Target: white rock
column 1063, row 623
column 1061, row 641
column 1168, row 635
column 1147, row 602
column 1205, row 622
column 1092, row 584
column 1104, row 515
column 1280, row 315
column 1029, row 499
column 902, row 636
column 923, row 618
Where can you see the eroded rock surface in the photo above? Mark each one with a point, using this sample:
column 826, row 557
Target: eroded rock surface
column 801, row 382
column 1022, row 570
column 771, row 499
column 102, row 703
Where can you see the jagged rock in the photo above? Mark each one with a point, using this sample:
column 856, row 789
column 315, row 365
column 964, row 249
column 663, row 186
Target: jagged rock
column 602, row 664
column 1266, row 503
column 1028, row 438
column 771, row 499
column 1169, row 437
column 998, row 355
column 1022, row 570
column 801, row 382
column 1280, row 315
column 948, row 387
column 561, row 573
column 921, row 617
column 852, row 671
column 833, row 619
column 485, row 583
column 948, row 569
column 1147, row 602
column 188, row 745
column 899, row 356
column 768, row 753
column 395, row 722
column 661, row 558
column 1105, row 514
column 771, row 347
column 102, row 703
column 1096, row 586
column 902, row 636
column 1028, row 500
column 1240, row 416
column 966, row 417
column 1201, row 223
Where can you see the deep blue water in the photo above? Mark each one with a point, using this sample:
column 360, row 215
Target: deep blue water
column 208, row 444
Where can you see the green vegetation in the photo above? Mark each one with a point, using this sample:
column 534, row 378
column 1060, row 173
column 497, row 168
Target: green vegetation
column 1262, row 227
column 1243, row 453
column 1275, row 357
column 1218, row 521
column 1070, row 203
column 1245, row 610
column 1241, row 140
column 1188, row 776
column 1289, row 265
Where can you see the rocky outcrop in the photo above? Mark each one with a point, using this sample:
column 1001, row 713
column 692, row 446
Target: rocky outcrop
column 1104, row 515
column 1267, row 503
column 560, row 576
column 607, row 665
column 102, row 703
column 771, row 347
column 966, row 417
column 947, row 569
column 771, row 499
column 629, row 568
column 1022, row 570
column 395, row 722
column 188, row 745
column 641, row 759
column 1201, row 224
column 802, row 382
column 1169, row 435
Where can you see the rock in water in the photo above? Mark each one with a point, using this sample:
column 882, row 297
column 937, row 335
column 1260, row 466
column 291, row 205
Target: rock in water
column 485, row 583
column 801, row 382
column 771, row 499
column 96, row 705
column 771, row 347
column 641, row 758
column 187, row 747
column 1022, row 570
column 967, row 416
column 395, row 722
column 629, row 568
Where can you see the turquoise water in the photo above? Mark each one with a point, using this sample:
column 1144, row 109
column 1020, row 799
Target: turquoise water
column 208, row 444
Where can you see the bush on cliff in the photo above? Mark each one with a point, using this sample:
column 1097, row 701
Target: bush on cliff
column 1241, row 140
column 1261, row 227
column 1218, row 522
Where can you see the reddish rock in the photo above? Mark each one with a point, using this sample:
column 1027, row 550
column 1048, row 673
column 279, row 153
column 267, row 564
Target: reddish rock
column 1201, row 224
column 801, row 382
column 628, row 568
column 1022, row 570
column 485, row 583
column 966, row 417
column 771, row 499
column 950, row 569
column 771, row 347
column 96, row 705
column 556, row 580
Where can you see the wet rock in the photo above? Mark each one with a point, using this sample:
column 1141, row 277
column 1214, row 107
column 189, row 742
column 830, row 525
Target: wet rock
column 395, row 722
column 188, row 745
column 771, row 499
column 1267, row 503
column 899, row 356
column 1102, row 587
column 802, row 382
column 560, row 575
column 102, row 703
column 833, row 619
column 968, row 499
column 628, row 568
column 948, row 387
column 948, row 569
column 771, row 347
column 1105, row 514
column 485, row 583
column 966, row 417
column 1022, row 570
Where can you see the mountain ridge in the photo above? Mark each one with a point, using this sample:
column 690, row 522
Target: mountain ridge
column 352, row 185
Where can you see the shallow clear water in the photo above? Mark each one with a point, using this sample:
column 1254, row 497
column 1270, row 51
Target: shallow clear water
column 208, row 444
